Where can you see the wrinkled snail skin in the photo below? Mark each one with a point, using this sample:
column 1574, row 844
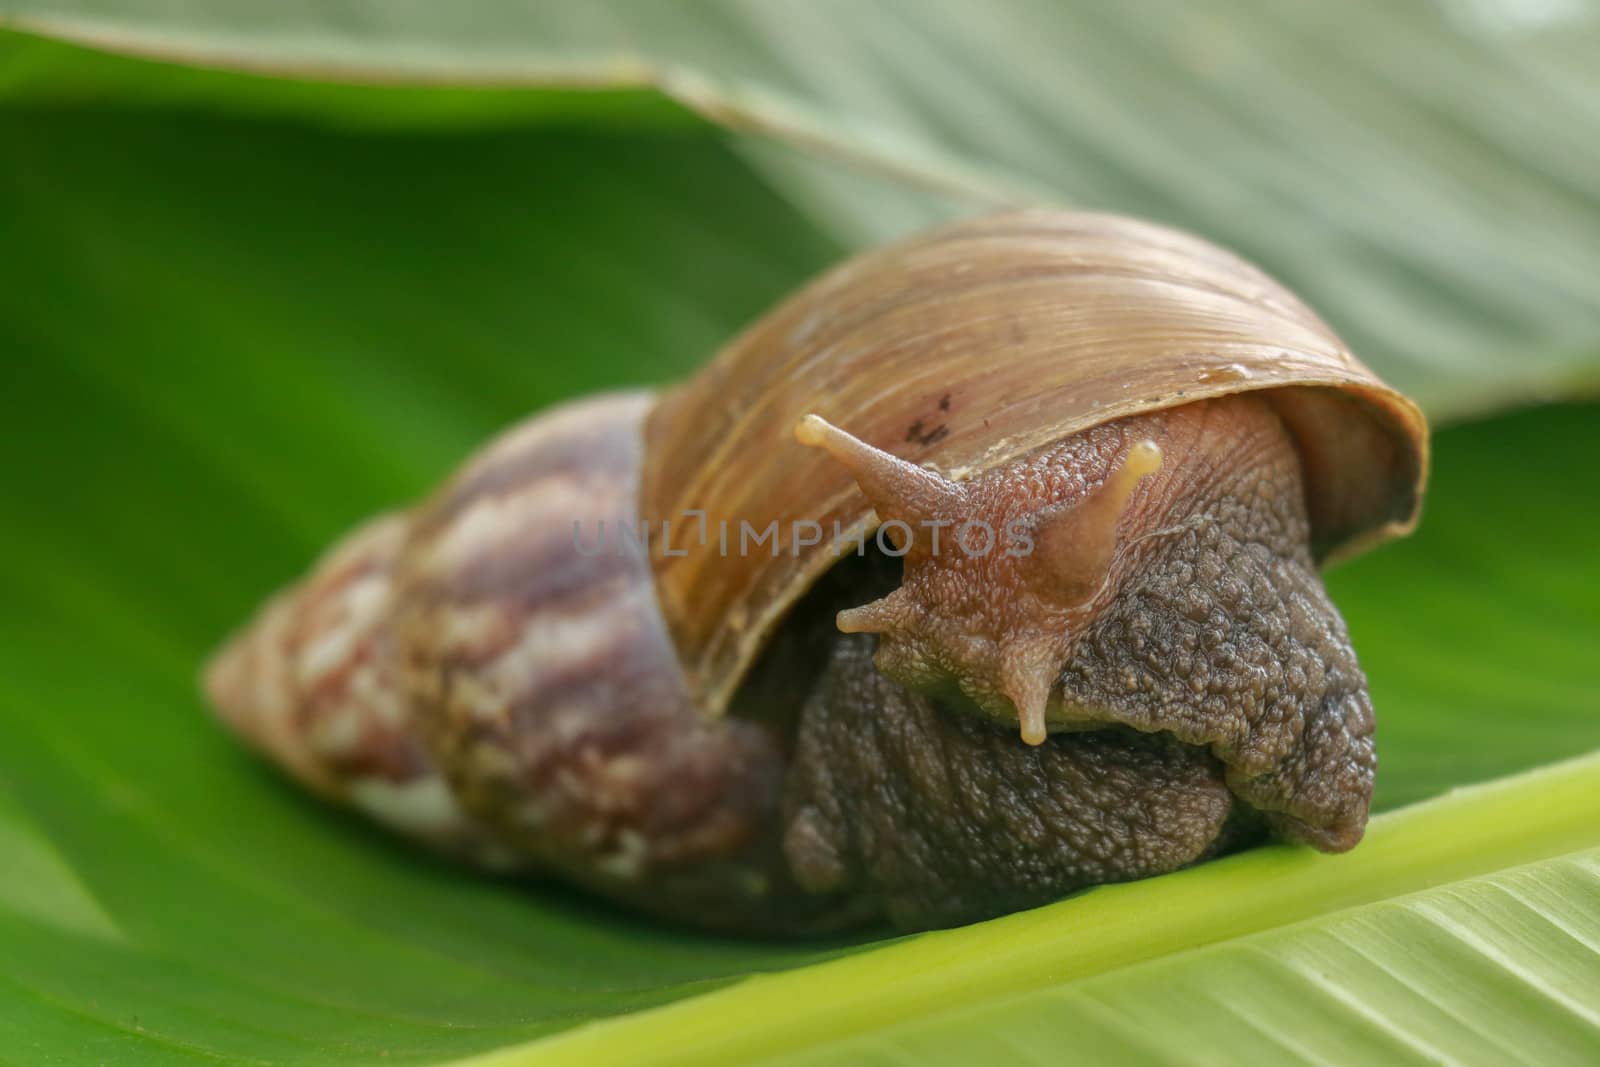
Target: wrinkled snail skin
column 1158, row 678
column 961, row 822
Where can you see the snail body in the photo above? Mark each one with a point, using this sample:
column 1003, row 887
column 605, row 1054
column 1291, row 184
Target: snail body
column 773, row 700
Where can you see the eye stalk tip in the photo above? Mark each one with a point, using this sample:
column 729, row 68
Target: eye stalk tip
column 1144, row 457
column 812, row 430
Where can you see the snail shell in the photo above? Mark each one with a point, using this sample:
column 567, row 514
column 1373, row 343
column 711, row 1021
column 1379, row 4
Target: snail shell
column 672, row 719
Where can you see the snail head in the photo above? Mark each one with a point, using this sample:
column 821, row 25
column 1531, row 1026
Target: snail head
column 1001, row 573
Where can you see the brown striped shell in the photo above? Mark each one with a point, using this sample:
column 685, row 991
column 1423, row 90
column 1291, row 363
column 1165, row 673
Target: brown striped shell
column 468, row 673
column 971, row 345
column 473, row 674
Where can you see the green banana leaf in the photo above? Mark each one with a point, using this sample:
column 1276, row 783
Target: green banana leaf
column 1120, row 974
column 240, row 312
column 1422, row 173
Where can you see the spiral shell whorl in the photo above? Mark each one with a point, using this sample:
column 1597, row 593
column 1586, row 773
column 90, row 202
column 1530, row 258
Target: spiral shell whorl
column 540, row 672
column 311, row 682
column 483, row 676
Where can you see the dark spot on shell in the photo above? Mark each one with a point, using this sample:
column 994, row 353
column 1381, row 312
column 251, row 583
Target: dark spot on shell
column 927, row 437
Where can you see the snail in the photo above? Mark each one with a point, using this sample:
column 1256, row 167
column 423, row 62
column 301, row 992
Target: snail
column 983, row 569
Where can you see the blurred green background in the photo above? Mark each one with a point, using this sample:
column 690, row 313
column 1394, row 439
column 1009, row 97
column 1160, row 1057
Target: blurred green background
column 269, row 268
